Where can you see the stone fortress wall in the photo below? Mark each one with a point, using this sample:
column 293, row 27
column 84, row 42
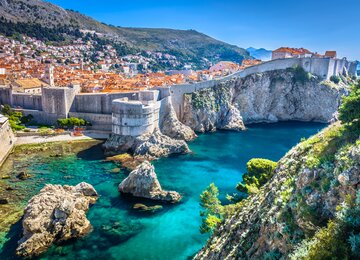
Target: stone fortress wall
column 7, row 138
column 136, row 113
column 322, row 67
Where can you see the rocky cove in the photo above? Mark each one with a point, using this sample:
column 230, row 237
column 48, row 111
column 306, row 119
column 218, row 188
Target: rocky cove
column 119, row 225
column 278, row 95
column 119, row 230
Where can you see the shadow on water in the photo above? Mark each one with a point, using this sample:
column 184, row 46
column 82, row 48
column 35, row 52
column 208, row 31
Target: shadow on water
column 9, row 248
column 93, row 153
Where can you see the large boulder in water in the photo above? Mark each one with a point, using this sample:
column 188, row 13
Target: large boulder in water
column 56, row 214
column 143, row 182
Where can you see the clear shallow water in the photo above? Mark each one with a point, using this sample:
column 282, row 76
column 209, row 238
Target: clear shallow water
column 121, row 232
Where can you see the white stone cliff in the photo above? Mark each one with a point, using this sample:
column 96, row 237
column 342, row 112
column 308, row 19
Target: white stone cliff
column 263, row 97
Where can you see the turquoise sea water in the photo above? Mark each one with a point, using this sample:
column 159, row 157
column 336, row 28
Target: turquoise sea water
column 120, row 232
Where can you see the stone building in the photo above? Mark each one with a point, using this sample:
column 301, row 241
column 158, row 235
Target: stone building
column 30, row 86
column 285, row 52
column 330, row 54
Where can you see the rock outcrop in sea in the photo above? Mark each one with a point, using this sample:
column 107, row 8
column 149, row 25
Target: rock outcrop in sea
column 56, row 214
column 143, row 182
column 278, row 95
column 311, row 184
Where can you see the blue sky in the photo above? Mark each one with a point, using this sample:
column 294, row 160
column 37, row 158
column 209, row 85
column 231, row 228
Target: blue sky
column 318, row 25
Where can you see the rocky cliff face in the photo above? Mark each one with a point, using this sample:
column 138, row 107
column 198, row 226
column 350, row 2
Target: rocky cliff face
column 264, row 97
column 56, row 214
column 170, row 124
column 309, row 185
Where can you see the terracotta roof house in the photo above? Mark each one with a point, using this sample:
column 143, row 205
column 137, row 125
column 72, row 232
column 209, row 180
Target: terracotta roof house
column 286, row 52
column 32, row 85
column 330, row 54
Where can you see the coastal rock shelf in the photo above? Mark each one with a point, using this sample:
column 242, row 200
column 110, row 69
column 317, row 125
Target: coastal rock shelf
column 150, row 146
column 56, row 214
column 143, row 182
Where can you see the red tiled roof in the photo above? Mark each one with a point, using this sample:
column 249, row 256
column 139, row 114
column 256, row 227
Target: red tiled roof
column 295, row 51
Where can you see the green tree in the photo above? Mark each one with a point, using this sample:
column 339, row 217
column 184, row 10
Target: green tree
column 16, row 119
column 212, row 212
column 335, row 79
column 71, row 122
column 6, row 110
column 259, row 171
column 349, row 111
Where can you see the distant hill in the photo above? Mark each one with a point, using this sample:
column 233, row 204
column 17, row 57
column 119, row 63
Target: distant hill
column 189, row 46
column 260, row 54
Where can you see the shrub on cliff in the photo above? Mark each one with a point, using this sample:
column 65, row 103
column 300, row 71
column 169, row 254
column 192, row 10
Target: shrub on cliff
column 16, row 119
column 349, row 111
column 71, row 122
column 213, row 210
column 340, row 239
column 300, row 75
column 259, row 171
column 335, row 79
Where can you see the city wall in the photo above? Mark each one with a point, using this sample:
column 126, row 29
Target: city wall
column 322, row 67
column 7, row 140
column 135, row 113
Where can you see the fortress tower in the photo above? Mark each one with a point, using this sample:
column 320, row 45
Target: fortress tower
column 49, row 75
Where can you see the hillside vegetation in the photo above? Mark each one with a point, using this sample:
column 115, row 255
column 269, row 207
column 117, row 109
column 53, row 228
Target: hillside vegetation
column 186, row 45
column 309, row 209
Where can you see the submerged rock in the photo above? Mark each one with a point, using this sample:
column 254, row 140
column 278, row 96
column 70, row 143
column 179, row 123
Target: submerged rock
column 144, row 208
column 148, row 146
column 56, row 214
column 143, row 182
column 126, row 161
column 4, row 201
column 23, row 176
column 115, row 170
